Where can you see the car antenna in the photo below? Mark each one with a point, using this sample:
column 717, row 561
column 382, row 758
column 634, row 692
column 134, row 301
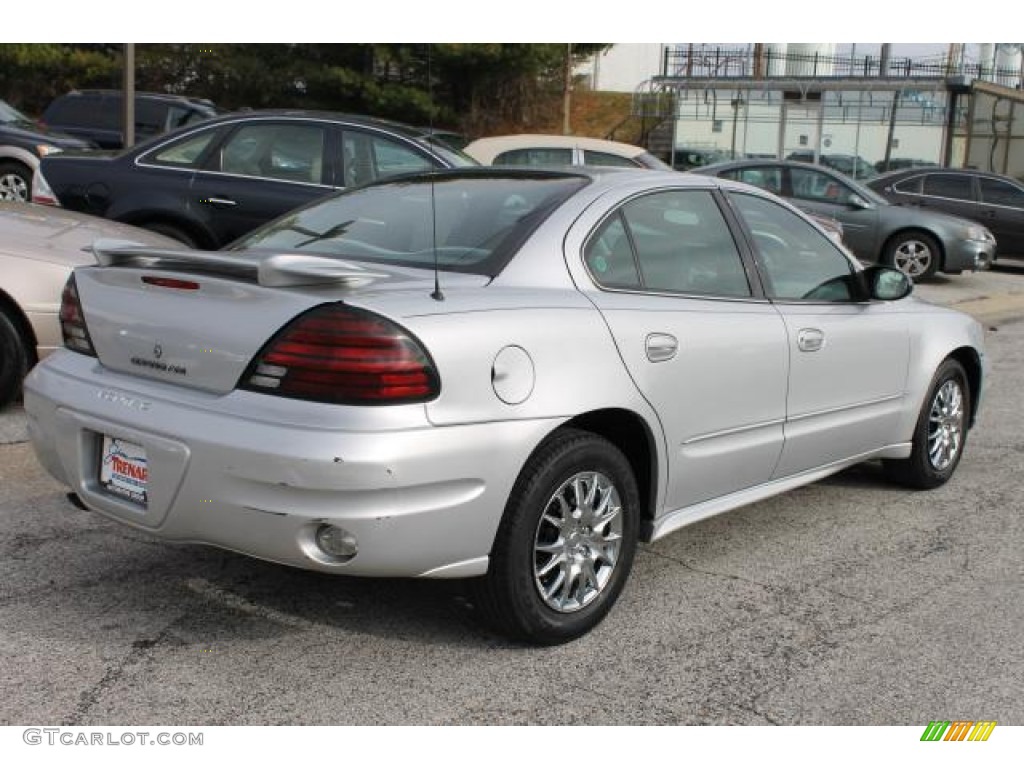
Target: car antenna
column 436, row 295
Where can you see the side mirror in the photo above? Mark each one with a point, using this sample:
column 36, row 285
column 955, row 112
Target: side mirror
column 887, row 283
column 858, row 202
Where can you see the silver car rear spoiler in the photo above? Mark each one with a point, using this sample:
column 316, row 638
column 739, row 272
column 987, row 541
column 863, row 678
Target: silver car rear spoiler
column 278, row 270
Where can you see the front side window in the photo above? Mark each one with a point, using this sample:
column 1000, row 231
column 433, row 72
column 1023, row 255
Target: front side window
column 367, row 157
column 534, row 156
column 680, row 242
column 948, row 185
column 997, row 192
column 799, row 262
column 286, row 151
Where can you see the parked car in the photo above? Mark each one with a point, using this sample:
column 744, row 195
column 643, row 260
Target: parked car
column 208, row 184
column 538, row 150
column 854, row 166
column 919, row 243
column 509, row 375
column 452, row 139
column 38, row 248
column 22, row 144
column 96, row 115
column 995, row 201
column 902, row 163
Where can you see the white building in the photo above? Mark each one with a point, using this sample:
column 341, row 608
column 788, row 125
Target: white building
column 623, row 67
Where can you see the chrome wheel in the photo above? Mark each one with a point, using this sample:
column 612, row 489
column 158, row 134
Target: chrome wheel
column 578, row 541
column 914, row 258
column 946, row 425
column 13, row 187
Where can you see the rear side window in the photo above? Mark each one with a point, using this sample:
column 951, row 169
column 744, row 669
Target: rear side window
column 286, row 151
column 680, row 242
column 948, row 185
column 368, row 157
column 184, row 153
column 998, row 192
column 911, row 186
column 535, row 156
column 590, row 157
column 769, row 178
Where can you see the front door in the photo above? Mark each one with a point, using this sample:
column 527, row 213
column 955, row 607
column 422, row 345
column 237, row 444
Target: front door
column 848, row 356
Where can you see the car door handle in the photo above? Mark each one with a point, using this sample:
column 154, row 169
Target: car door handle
column 661, row 347
column 220, row 202
column 810, row 339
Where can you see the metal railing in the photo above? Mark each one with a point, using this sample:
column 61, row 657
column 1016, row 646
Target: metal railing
column 747, row 63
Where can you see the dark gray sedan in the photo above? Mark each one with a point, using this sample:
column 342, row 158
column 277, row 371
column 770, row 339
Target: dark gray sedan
column 995, row 201
column 919, row 243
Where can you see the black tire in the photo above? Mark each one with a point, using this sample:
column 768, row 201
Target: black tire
column 14, row 358
column 916, row 254
column 935, row 429
column 15, row 181
column 529, row 551
column 172, row 231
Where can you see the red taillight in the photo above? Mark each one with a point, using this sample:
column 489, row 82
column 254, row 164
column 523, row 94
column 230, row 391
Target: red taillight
column 171, row 282
column 72, row 321
column 339, row 354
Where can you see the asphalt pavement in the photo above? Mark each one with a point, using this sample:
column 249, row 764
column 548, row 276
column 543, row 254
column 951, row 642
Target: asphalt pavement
column 851, row 601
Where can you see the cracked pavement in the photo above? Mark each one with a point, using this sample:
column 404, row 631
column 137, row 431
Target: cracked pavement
column 850, row 601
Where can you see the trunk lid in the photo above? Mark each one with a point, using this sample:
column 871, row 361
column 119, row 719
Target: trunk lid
column 197, row 319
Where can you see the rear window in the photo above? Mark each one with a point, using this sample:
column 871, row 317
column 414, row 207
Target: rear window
column 479, row 221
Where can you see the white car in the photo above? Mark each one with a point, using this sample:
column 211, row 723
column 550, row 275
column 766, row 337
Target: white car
column 536, row 149
column 38, row 249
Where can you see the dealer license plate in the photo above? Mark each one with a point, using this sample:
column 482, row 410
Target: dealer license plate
column 124, row 470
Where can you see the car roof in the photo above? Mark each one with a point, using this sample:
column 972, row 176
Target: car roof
column 154, row 95
column 903, row 173
column 311, row 114
column 486, row 149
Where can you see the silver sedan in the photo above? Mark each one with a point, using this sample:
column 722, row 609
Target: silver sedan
column 503, row 375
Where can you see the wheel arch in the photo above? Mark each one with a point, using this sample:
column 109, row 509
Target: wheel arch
column 971, row 362
column 14, row 313
column 631, row 434
column 910, row 230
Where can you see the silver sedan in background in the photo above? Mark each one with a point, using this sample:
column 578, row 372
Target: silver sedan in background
column 38, row 249
column 510, row 376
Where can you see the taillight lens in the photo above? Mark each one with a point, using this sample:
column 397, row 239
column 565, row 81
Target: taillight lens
column 41, row 193
column 340, row 354
column 72, row 320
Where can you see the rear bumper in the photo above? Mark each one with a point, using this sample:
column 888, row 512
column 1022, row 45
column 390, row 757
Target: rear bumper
column 420, row 500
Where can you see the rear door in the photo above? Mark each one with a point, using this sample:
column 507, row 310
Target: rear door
column 1002, row 211
column 260, row 170
column 950, row 193
column 703, row 347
